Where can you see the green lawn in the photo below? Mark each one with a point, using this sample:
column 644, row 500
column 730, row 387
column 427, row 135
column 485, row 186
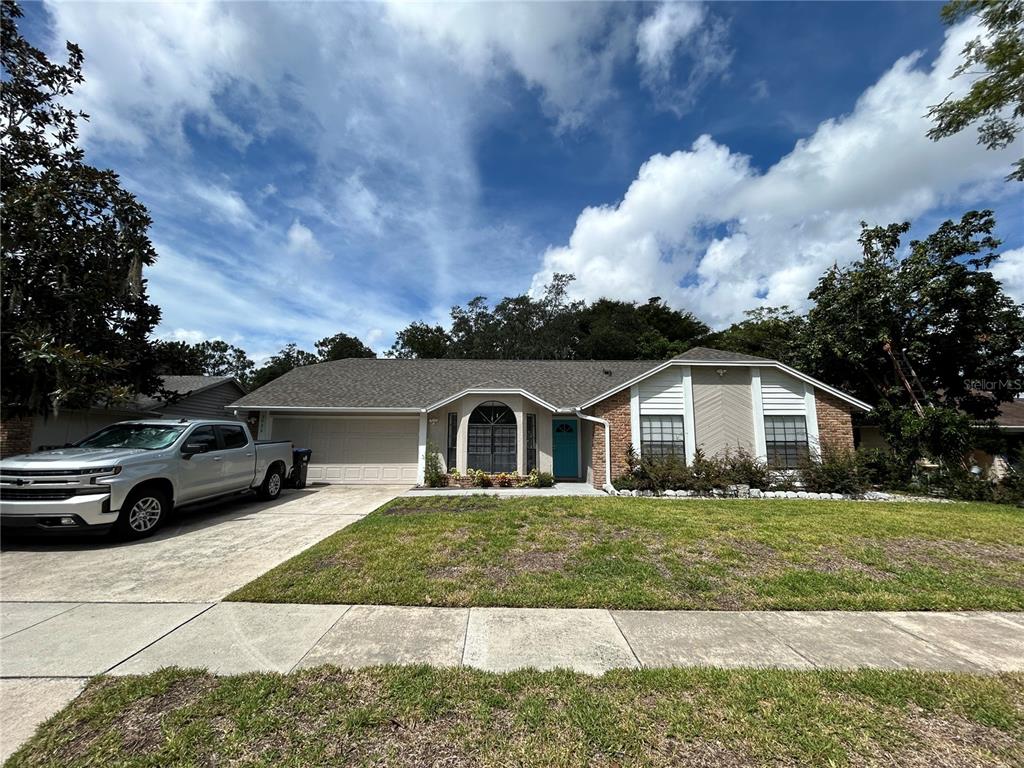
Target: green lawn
column 649, row 553
column 414, row 716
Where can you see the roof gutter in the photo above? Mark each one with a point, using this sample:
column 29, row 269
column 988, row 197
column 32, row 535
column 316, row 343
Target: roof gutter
column 608, row 487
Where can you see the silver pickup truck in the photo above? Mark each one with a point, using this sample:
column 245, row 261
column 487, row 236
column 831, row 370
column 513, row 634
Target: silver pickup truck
column 129, row 476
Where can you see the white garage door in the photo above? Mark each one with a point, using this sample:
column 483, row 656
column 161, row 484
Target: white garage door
column 351, row 450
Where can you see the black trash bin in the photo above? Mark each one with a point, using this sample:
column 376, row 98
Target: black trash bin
column 300, row 466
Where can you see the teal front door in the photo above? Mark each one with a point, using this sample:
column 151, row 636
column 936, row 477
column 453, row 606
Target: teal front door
column 565, row 448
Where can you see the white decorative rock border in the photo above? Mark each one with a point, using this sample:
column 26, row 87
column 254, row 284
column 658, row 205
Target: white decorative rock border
column 757, row 493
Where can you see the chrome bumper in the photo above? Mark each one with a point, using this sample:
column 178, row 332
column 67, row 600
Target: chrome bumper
column 74, row 512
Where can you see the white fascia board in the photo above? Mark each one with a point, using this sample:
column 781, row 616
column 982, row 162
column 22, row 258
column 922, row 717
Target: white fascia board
column 325, row 409
column 477, row 391
column 733, row 364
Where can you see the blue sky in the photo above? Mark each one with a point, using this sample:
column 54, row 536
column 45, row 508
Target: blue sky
column 345, row 167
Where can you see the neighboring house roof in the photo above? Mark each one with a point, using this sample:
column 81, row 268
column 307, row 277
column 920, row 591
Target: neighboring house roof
column 1011, row 415
column 183, row 386
column 415, row 385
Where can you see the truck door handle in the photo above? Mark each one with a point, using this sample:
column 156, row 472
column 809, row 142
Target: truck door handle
column 248, row 454
column 218, row 458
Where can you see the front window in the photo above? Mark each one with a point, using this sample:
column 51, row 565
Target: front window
column 785, row 439
column 662, row 436
column 531, row 442
column 453, row 439
column 492, row 438
column 148, row 436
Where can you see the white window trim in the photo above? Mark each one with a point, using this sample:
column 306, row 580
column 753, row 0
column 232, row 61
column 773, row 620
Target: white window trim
column 760, row 444
column 688, row 426
column 634, row 417
column 811, row 417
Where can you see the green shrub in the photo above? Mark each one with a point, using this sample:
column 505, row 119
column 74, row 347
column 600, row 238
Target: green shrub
column 480, row 478
column 881, row 468
column 507, row 479
column 741, row 467
column 433, row 474
column 539, row 479
column 662, row 473
column 837, row 470
column 625, row 482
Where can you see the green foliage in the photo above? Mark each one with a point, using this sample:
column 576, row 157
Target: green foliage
column 287, row 359
column 76, row 317
column 939, row 306
column 341, row 346
column 940, row 434
column 422, row 341
column 507, row 479
column 773, row 332
column 704, row 474
column 881, row 468
column 479, row 478
column 834, row 471
column 538, row 479
column 995, row 64
column 433, row 473
column 207, row 358
column 553, row 327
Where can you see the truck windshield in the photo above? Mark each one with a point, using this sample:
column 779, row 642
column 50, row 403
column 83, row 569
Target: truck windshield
column 148, row 436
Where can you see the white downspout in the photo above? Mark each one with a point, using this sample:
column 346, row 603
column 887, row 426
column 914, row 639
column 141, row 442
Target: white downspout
column 608, row 487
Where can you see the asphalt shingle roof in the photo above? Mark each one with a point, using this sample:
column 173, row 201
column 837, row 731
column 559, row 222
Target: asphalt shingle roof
column 389, row 383
column 181, row 385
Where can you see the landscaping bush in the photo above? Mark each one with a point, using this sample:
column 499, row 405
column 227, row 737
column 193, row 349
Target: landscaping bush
column 539, row 479
column 741, row 467
column 480, row 478
column 663, row 473
column 507, row 479
column 625, row 482
column 433, row 474
column 881, row 468
column 836, row 471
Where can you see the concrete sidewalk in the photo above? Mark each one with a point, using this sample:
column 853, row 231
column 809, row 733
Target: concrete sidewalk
column 48, row 650
column 70, row 640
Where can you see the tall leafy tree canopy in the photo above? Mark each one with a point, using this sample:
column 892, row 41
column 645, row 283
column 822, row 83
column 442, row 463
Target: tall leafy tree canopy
column 288, row 358
column 938, row 307
column 995, row 61
column 553, row 327
column 777, row 333
column 341, row 345
column 76, row 316
column 207, row 358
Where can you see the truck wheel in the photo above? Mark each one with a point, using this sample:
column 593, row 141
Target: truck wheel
column 142, row 513
column 270, row 488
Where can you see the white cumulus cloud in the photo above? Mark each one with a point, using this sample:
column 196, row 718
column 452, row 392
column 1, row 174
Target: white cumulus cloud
column 704, row 229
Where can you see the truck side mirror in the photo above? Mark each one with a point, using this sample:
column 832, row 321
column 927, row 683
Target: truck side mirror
column 191, row 449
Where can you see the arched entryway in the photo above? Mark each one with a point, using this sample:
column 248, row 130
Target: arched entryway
column 492, row 438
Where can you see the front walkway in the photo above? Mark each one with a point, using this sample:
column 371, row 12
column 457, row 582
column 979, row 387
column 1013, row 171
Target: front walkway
column 558, row 489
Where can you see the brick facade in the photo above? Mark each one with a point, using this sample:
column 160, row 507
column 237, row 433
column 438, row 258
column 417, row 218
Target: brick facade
column 835, row 427
column 616, row 410
column 15, row 435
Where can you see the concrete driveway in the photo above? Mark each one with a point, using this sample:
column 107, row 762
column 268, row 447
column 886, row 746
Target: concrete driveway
column 201, row 555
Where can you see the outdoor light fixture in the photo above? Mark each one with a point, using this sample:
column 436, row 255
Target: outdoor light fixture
column 721, row 372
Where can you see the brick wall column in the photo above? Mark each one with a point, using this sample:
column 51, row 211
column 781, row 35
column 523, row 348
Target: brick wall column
column 15, row 435
column 835, row 426
column 615, row 410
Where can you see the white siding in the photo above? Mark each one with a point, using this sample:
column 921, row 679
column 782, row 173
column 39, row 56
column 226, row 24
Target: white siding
column 663, row 393
column 781, row 394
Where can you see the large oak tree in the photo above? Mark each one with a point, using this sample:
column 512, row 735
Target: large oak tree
column 76, row 316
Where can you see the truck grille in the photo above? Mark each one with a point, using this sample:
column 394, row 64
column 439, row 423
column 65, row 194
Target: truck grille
column 35, row 494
